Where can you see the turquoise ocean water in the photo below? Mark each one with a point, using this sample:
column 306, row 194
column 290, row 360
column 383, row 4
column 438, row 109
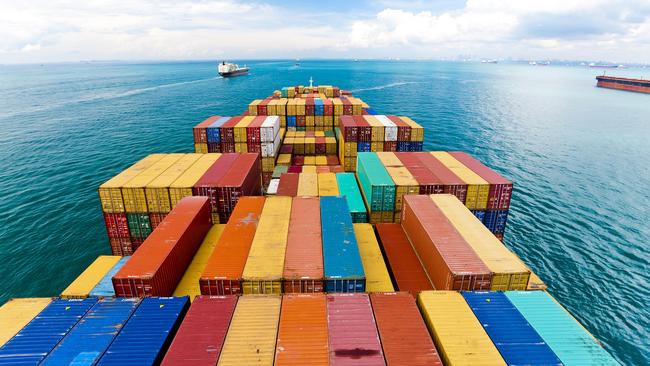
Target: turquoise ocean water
column 579, row 157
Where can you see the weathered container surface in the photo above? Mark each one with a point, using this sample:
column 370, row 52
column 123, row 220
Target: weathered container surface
column 508, row 271
column 272, row 189
column 302, row 333
column 389, row 159
column 93, row 334
column 348, row 187
column 477, row 188
column 139, row 225
column 327, row 185
column 289, row 183
column 133, row 191
column 341, row 258
column 16, row 313
column 90, row 277
column 405, row 183
column 121, row 246
column 457, row 334
column 147, row 335
column 270, row 149
column 390, row 128
column 451, row 182
column 104, row 287
column 417, row 132
column 189, row 284
column 157, row 191
column 376, row 184
column 308, row 185
column 513, row 336
column 202, row 333
column 36, row 339
column 116, row 224
column 500, row 187
column 208, row 184
column 157, row 266
column 402, row 260
column 265, row 264
column 199, row 131
column 405, row 339
column 353, row 337
column 253, row 331
column 182, row 187
column 374, row 267
column 448, row 259
column 303, row 264
column 110, row 192
column 309, row 169
column 243, row 179
column 566, row 337
column 222, row 275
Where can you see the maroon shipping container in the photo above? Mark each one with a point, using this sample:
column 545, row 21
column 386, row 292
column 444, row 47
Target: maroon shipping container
column 253, row 135
column 353, row 337
column 390, row 146
column 364, row 129
column 286, row 149
column 328, row 107
column 294, row 169
column 288, row 185
column 158, row 265
column 347, row 106
column 321, row 147
column 404, row 265
column 116, row 225
column 266, row 178
column 404, row 337
column 428, row 182
column 243, row 179
column 261, row 107
column 332, row 160
column 348, row 128
column 136, row 242
column 448, row 259
column 255, row 147
column 310, row 134
column 336, row 92
column 227, row 147
column 156, row 219
column 121, row 246
column 202, row 334
column 500, row 187
column 200, row 135
column 452, row 183
column 227, row 132
column 301, row 121
column 403, row 128
column 214, row 147
column 298, row 160
column 309, row 106
column 209, row 181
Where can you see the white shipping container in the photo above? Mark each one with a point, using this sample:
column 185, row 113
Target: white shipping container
column 390, row 132
column 273, row 186
column 270, row 128
column 271, row 149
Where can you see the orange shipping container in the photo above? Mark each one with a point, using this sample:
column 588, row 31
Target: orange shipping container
column 303, row 264
column 302, row 334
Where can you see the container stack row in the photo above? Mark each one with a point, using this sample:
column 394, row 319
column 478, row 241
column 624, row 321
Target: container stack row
column 135, row 201
column 376, row 133
column 309, row 143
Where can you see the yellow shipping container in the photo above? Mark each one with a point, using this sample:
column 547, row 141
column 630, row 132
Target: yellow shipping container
column 310, row 160
column 535, row 283
column 263, row 270
column 458, row 335
column 90, row 277
column 271, row 108
column 478, row 189
column 182, row 187
column 330, row 145
column 319, row 121
column 157, row 191
column 240, row 129
column 309, row 168
column 189, row 284
column 389, row 159
column 291, row 107
column 508, row 271
column 377, row 277
column 310, row 121
column 377, row 129
column 281, row 107
column 253, row 332
column 110, row 193
column 268, row 164
column 338, row 106
column 404, row 184
column 308, row 184
column 241, row 147
column 201, row 148
column 291, row 93
column 327, row 185
column 252, row 107
column 417, row 132
column 133, row 191
column 300, row 107
column 377, row 146
column 284, row 159
column 321, row 160
column 357, row 105
column 16, row 313
column 319, row 134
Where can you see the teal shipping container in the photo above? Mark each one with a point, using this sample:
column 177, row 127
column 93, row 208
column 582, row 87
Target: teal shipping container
column 376, row 184
column 105, row 286
column 348, row 188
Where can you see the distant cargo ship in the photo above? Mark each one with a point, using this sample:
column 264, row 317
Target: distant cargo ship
column 635, row 85
column 604, row 66
column 229, row 69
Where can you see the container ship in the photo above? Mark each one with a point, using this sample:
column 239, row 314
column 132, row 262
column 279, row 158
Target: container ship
column 307, row 216
column 635, row 85
column 227, row 69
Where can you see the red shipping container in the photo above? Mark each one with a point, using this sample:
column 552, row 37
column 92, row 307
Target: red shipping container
column 303, row 263
column 286, row 149
column 214, row 147
column 336, row 169
column 261, row 107
column 201, row 336
column 227, row 132
column 448, row 259
column 301, row 121
column 209, row 181
column 353, row 337
column 332, row 160
column 288, row 184
column 390, row 146
column 364, row 129
column 156, row 219
column 401, row 259
column 227, row 147
column 500, row 187
column 347, row 106
column 328, row 107
column 349, row 129
column 223, row 271
column 116, row 225
column 158, row 265
column 253, row 135
column 428, row 182
column 243, row 179
column 121, row 246
column 136, row 243
column 452, row 183
column 309, row 106
column 322, row 169
column 310, row 134
column 404, row 337
column 298, row 160
column 294, row 169
column 255, row 147
column 266, row 178
column 403, row 128
column 200, row 135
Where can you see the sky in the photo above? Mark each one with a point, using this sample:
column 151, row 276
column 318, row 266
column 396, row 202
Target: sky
column 39, row 31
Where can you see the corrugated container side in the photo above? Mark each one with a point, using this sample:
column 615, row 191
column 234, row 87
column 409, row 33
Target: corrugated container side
column 353, row 337
column 302, row 333
column 327, row 184
column 428, row 182
column 457, row 334
column 374, row 267
column 157, row 191
column 500, row 187
column 303, row 264
column 16, row 313
column 105, row 286
column 451, row 182
column 253, row 331
column 289, row 184
column 208, row 185
column 478, row 188
column 405, row 339
column 376, row 184
column 202, row 333
column 182, row 187
column 133, row 191
column 243, row 179
column 348, row 187
column 90, row 277
column 308, row 185
column 404, row 184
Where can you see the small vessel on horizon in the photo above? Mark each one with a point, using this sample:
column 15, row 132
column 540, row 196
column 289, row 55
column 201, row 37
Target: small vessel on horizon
column 489, row 61
column 229, row 69
column 604, row 66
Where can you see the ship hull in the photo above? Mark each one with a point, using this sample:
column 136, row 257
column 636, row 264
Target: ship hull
column 234, row 73
column 633, row 85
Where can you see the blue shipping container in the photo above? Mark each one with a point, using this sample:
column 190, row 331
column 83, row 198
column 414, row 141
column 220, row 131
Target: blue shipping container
column 566, row 337
column 92, row 335
column 33, row 343
column 341, row 258
column 212, row 132
column 516, row 340
column 146, row 336
column 291, row 121
column 363, row 146
column 480, row 214
column 495, row 220
column 319, row 108
column 403, row 146
column 105, row 287
column 370, row 111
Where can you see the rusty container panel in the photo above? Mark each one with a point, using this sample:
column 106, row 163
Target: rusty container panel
column 302, row 333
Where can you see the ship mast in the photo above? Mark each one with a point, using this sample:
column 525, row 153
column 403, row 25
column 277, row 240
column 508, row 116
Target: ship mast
column 311, row 82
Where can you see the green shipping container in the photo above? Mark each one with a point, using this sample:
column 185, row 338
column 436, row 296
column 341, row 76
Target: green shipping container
column 279, row 170
column 350, row 190
column 139, row 224
column 376, row 185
